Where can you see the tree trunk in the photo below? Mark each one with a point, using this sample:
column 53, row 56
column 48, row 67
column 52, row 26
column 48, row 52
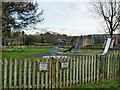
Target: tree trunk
column 111, row 33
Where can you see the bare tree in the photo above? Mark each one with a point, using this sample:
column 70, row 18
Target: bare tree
column 109, row 11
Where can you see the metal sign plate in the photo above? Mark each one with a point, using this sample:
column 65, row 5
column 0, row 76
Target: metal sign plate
column 43, row 66
column 64, row 65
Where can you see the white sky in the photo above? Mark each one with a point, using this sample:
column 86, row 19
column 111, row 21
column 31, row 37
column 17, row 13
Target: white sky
column 67, row 17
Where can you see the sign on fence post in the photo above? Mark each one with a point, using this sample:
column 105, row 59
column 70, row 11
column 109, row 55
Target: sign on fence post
column 64, row 65
column 43, row 66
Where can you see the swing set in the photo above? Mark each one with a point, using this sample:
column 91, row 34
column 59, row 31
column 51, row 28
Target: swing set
column 11, row 43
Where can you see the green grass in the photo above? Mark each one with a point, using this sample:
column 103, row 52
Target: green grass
column 103, row 84
column 16, row 54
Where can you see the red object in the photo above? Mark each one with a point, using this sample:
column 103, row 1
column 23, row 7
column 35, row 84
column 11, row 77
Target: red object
column 74, row 49
column 84, row 48
column 106, row 37
column 91, row 48
column 114, row 39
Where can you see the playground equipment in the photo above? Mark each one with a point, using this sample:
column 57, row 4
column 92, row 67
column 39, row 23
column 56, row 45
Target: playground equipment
column 70, row 48
column 9, row 50
column 63, row 41
column 10, row 40
column 54, row 52
column 77, row 46
column 21, row 48
column 117, row 45
column 87, row 43
column 107, row 46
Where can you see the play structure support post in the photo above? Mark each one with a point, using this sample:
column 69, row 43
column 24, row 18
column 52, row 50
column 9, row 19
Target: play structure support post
column 74, row 49
column 84, row 48
column 91, row 48
column 115, row 42
column 106, row 37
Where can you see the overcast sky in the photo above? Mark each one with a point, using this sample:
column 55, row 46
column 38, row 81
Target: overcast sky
column 68, row 17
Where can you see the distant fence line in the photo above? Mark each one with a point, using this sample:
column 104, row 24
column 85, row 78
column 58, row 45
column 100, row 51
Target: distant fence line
column 57, row 73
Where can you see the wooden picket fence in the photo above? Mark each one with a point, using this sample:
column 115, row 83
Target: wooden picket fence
column 25, row 73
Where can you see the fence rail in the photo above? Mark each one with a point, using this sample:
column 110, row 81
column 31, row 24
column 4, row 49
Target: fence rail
column 57, row 73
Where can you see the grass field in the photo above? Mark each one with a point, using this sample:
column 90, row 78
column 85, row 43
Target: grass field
column 16, row 54
column 31, row 51
column 103, row 84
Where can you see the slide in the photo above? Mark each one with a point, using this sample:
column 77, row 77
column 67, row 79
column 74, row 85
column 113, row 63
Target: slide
column 69, row 49
column 106, row 46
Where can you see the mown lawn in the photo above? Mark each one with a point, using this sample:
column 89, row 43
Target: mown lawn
column 103, row 84
column 16, row 54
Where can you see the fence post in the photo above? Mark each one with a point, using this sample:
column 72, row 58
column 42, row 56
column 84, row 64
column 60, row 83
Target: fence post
column 20, row 73
column 80, row 70
column 64, row 75
column 67, row 72
column 115, row 64
column 97, row 67
column 101, row 60
column 83, row 70
column 38, row 73
column 113, row 67
column 10, row 73
column 70, row 71
column 25, row 62
column 86, row 70
column 46, row 76
column 50, row 73
column 5, row 72
column 74, row 71
column 42, row 76
column 108, row 67
column 33, row 78
column 15, row 73
column 53, row 73
column 60, row 74
column 103, row 67
column 56, row 72
column 77, row 72
column 118, row 65
column 94, row 67
column 29, row 73
column 89, row 70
